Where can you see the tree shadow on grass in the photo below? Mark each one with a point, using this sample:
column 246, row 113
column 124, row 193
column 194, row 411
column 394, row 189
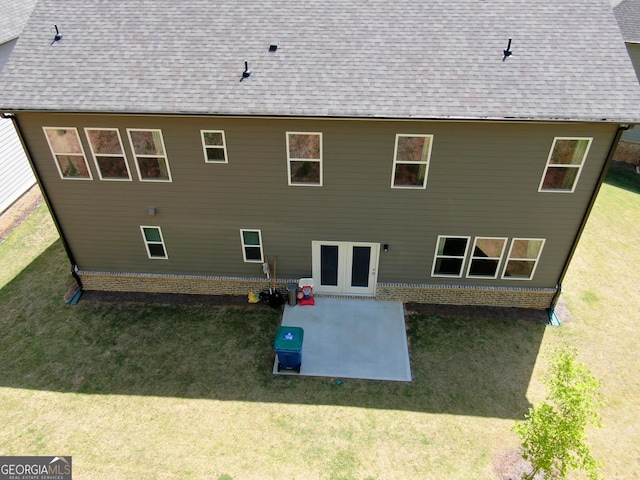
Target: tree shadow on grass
column 464, row 366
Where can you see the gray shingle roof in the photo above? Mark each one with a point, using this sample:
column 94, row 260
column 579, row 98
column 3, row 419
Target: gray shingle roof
column 13, row 17
column 346, row 58
column 627, row 14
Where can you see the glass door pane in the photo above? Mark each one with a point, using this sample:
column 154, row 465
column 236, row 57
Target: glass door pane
column 329, row 265
column 360, row 267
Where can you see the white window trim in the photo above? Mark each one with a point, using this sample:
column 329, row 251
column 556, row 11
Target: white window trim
column 550, row 165
column 147, row 242
column 244, row 252
column 96, row 155
column 536, row 261
column 222, row 147
column 426, row 162
column 290, row 159
column 135, row 156
column 55, row 155
column 472, row 257
column 436, row 257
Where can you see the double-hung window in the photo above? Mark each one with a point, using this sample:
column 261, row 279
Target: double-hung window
column 450, row 256
column 522, row 259
column 68, row 153
column 214, row 145
column 106, row 147
column 150, row 155
column 411, row 161
column 251, row 245
column 304, row 158
column 485, row 257
column 154, row 242
column 564, row 164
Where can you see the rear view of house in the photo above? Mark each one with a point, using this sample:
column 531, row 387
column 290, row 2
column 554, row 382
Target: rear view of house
column 419, row 151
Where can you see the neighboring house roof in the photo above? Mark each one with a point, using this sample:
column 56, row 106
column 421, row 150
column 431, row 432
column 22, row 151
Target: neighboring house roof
column 627, row 14
column 342, row 58
column 15, row 14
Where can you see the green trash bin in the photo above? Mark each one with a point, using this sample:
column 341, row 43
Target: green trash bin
column 288, row 347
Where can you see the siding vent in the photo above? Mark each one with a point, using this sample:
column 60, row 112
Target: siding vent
column 507, row 53
column 57, row 37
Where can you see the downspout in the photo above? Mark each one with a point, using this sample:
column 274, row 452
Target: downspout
column 553, row 320
column 65, row 244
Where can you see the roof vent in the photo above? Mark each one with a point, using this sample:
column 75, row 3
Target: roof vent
column 507, row 53
column 247, row 72
column 58, row 37
column 273, row 46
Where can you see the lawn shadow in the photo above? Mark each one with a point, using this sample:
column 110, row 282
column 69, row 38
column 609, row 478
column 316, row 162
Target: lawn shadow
column 623, row 175
column 479, row 366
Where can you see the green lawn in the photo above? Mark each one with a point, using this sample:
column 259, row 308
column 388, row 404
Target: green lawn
column 162, row 391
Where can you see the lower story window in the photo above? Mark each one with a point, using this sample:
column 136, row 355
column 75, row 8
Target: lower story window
column 154, row 242
column 251, row 245
column 485, row 257
column 450, row 256
column 523, row 258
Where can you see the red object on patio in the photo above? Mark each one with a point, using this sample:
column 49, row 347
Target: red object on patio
column 306, row 287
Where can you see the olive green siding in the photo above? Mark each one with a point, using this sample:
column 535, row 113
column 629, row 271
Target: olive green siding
column 483, row 181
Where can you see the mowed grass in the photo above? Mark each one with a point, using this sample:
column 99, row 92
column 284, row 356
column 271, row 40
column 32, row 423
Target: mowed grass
column 164, row 391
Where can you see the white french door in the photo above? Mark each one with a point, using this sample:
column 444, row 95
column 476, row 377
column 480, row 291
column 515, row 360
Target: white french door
column 345, row 267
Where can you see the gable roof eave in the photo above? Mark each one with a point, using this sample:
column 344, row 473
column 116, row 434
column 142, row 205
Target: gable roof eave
column 624, row 120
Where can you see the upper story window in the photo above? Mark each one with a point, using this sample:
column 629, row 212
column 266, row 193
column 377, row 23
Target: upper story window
column 450, row 255
column 214, row 145
column 523, row 258
column 106, row 147
column 150, row 155
column 68, row 153
column 304, row 158
column 485, row 257
column 154, row 242
column 564, row 164
column 411, row 161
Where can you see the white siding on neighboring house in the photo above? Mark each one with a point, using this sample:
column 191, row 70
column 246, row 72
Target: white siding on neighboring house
column 633, row 135
column 16, row 176
column 5, row 51
column 627, row 14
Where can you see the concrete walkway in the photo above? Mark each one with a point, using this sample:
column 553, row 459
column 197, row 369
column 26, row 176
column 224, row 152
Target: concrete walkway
column 346, row 338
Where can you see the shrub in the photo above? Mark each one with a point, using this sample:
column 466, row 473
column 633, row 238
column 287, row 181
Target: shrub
column 553, row 432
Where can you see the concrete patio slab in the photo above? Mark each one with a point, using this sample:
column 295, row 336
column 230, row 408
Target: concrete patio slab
column 348, row 338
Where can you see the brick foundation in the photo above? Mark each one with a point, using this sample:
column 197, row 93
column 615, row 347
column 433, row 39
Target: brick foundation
column 521, row 297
